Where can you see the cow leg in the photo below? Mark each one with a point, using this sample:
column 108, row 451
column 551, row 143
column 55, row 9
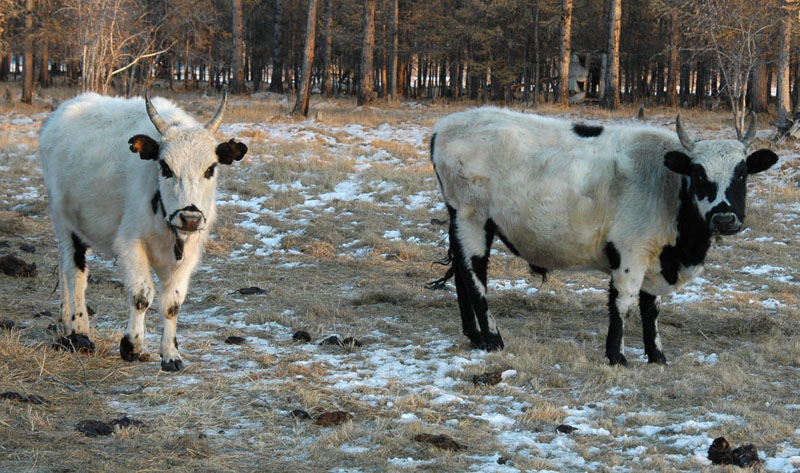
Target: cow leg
column 470, row 244
column 141, row 293
column 74, row 276
column 175, row 287
column 621, row 299
column 649, row 308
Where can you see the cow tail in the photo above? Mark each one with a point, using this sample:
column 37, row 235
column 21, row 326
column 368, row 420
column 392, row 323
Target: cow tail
column 439, row 284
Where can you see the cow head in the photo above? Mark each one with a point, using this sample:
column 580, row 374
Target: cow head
column 717, row 171
column 187, row 158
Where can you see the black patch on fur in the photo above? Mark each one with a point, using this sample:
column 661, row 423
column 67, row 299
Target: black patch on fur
column 703, row 188
column 166, row 172
column 649, row 311
column 615, row 329
column 157, row 204
column 586, row 131
column 140, row 302
column 126, row 351
column 736, row 193
column 79, row 252
column 178, row 249
column 230, row 151
column 612, row 254
column 210, row 171
column 172, row 312
column 175, row 342
column 433, row 144
column 693, row 242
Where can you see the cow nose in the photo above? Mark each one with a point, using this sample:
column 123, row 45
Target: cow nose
column 725, row 223
column 190, row 221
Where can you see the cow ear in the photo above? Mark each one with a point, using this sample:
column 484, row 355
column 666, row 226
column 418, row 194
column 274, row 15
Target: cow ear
column 761, row 160
column 678, row 162
column 230, row 151
column 145, row 146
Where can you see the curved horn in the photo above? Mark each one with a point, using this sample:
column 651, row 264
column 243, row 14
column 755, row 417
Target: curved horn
column 160, row 124
column 215, row 121
column 687, row 142
column 751, row 131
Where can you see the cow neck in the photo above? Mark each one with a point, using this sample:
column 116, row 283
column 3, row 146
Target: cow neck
column 158, row 206
column 693, row 239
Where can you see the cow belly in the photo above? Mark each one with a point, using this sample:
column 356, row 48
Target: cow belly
column 655, row 284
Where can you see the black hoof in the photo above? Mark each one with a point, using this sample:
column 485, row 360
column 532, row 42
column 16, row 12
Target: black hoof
column 493, row 342
column 618, row 359
column 172, row 365
column 658, row 359
column 126, row 351
column 75, row 342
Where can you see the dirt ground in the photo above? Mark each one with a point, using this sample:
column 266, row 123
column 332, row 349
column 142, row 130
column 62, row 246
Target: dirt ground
column 338, row 219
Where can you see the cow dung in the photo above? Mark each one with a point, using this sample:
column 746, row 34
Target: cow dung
column 251, row 290
column 10, row 265
column 565, row 429
column 235, row 340
column 745, row 456
column 720, row 452
column 440, row 441
column 6, row 324
column 97, row 428
column 300, row 414
column 488, row 379
column 32, row 398
column 301, row 336
column 27, row 248
column 74, row 342
column 333, row 418
column 332, row 340
column 352, row 342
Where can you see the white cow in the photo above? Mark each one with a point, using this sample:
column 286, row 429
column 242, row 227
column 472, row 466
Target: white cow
column 151, row 211
column 638, row 203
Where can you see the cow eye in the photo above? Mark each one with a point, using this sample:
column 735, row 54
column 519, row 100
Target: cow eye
column 210, row 171
column 165, row 170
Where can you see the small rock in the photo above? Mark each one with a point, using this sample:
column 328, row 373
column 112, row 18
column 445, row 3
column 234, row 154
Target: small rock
column 6, row 324
column 10, row 265
column 720, row 452
column 332, row 340
column 745, row 456
column 301, row 336
column 488, row 379
column 440, row 441
column 503, row 461
column 74, row 342
column 333, row 418
column 94, row 428
column 28, row 248
column 251, row 290
column 565, row 429
column 235, row 340
column 352, row 342
column 300, row 414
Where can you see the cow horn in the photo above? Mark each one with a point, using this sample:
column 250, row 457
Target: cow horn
column 160, row 124
column 687, row 142
column 751, row 131
column 214, row 123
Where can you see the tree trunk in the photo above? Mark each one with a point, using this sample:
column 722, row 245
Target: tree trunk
column 237, row 84
column 366, row 94
column 391, row 91
column 784, row 101
column 758, row 90
column 536, row 54
column 327, row 50
column 27, row 79
column 674, row 65
column 276, row 82
column 210, row 58
column 187, row 65
column 44, row 70
column 303, row 92
column 564, row 37
column 611, row 96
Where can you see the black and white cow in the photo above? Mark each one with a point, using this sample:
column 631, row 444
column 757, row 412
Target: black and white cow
column 641, row 204
column 153, row 211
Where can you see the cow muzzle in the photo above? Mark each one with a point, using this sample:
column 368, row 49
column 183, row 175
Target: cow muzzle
column 726, row 223
column 188, row 219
